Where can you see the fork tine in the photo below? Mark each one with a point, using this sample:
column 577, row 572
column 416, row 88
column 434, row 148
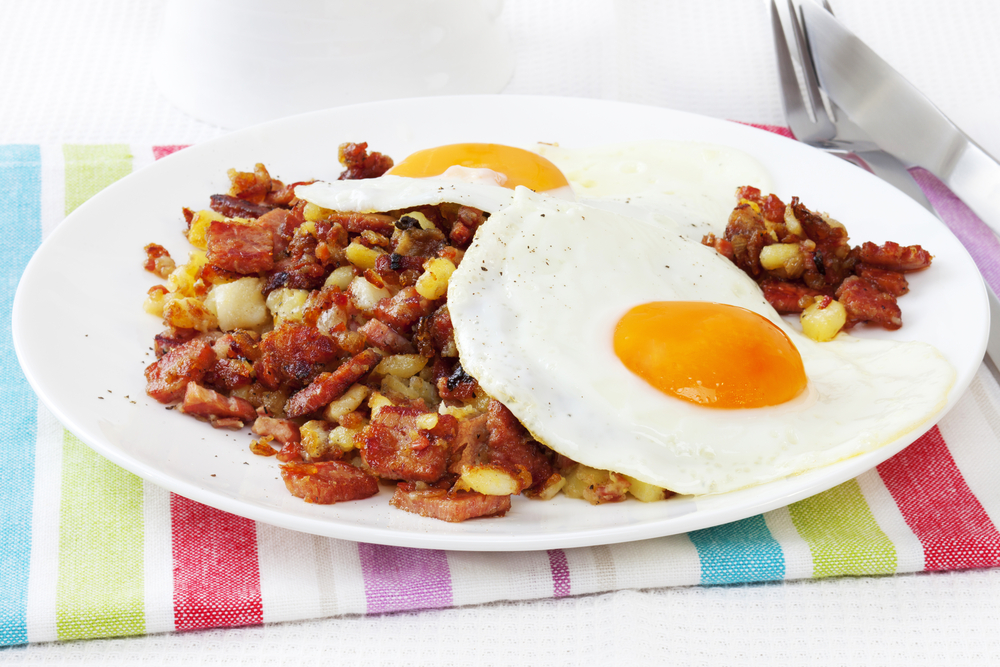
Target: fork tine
column 808, row 69
column 791, row 97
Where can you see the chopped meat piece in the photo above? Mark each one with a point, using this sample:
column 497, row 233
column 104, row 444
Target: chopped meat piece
column 435, row 334
column 893, row 256
column 788, row 297
column 167, row 340
column 167, row 378
column 365, row 222
column 511, row 446
column 158, row 260
column 360, row 163
column 452, row 382
column 253, row 187
column 403, row 309
column 293, row 353
column 242, row 247
column 468, row 447
column 451, row 507
column 833, row 254
column 865, row 303
column 282, row 430
column 891, row 282
column 395, row 447
column 384, row 338
column 282, row 225
column 234, row 207
column 747, row 235
column 328, row 386
column 204, row 402
column 328, row 482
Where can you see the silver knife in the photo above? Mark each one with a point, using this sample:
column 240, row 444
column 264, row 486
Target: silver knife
column 897, row 116
column 902, row 121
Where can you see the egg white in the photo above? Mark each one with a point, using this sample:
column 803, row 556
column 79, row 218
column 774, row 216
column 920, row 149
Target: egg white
column 535, row 302
column 391, row 193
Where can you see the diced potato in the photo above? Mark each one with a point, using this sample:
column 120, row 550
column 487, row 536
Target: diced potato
column 348, row 402
column 287, row 304
column 459, row 411
column 341, row 277
column 549, row 489
column 427, row 420
column 199, row 227
column 316, row 437
column 646, row 492
column 792, row 223
column 330, row 318
column 238, row 305
column 823, row 319
column 365, row 295
column 492, row 481
column 361, row 256
column 433, row 282
column 413, row 388
column 401, row 365
column 582, row 479
column 377, row 401
column 777, row 255
column 421, row 220
column 345, row 438
column 189, row 313
column 314, row 213
column 184, row 280
column 156, row 297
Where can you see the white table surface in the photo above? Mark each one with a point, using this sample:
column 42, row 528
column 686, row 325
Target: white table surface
column 75, row 71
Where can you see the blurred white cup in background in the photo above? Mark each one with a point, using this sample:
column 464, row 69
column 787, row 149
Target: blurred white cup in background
column 235, row 63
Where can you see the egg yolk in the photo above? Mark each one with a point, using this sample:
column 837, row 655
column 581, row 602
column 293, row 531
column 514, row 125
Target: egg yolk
column 521, row 167
column 711, row 354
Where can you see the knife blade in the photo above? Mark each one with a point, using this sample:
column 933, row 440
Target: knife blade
column 902, row 121
column 897, row 116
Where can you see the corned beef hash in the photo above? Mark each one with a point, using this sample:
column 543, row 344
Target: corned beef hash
column 470, row 325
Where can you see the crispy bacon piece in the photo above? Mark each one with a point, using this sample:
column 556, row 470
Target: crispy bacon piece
column 403, row 309
column 365, row 222
column 453, row 383
column 865, row 303
column 395, row 447
column 242, row 247
column 251, row 186
column 158, row 260
column 282, row 225
column 722, row 246
column 360, row 163
column 167, row 377
column 284, row 432
column 384, row 338
column 328, row 482
column 417, row 242
column 468, row 447
column 788, row 297
column 328, row 386
column 832, row 249
column 293, row 353
column 452, row 507
column 891, row 282
column 203, row 402
column 747, row 234
column 511, row 446
column 170, row 338
column 234, row 207
column 893, row 256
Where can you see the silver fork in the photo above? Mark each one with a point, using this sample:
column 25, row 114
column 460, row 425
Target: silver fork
column 832, row 131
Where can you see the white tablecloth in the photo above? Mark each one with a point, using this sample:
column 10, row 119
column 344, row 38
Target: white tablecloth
column 80, row 72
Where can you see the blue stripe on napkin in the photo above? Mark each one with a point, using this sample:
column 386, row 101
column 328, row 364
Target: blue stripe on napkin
column 739, row 552
column 20, row 229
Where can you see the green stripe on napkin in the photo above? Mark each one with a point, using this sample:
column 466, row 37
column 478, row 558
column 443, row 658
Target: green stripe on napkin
column 842, row 533
column 91, row 168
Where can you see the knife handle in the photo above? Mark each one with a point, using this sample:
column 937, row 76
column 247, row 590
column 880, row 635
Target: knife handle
column 975, row 178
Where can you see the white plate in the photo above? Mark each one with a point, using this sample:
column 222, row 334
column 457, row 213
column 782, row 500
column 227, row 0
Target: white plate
column 80, row 331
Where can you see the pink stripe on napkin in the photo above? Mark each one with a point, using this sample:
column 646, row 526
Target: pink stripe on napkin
column 939, row 507
column 560, row 573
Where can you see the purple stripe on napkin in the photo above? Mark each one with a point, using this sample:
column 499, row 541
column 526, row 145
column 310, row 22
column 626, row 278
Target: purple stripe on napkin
column 399, row 579
column 560, row 573
column 974, row 234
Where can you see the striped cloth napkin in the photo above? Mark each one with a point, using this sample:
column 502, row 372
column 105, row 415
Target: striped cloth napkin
column 90, row 550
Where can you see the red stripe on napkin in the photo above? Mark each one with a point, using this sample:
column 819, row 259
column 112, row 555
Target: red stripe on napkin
column 777, row 129
column 216, row 576
column 164, row 151
column 939, row 507
column 560, row 573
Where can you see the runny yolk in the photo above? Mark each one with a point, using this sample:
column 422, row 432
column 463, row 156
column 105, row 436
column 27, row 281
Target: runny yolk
column 711, row 354
column 521, row 167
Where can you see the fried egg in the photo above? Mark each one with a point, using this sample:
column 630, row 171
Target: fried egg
column 478, row 175
column 685, row 184
column 619, row 343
